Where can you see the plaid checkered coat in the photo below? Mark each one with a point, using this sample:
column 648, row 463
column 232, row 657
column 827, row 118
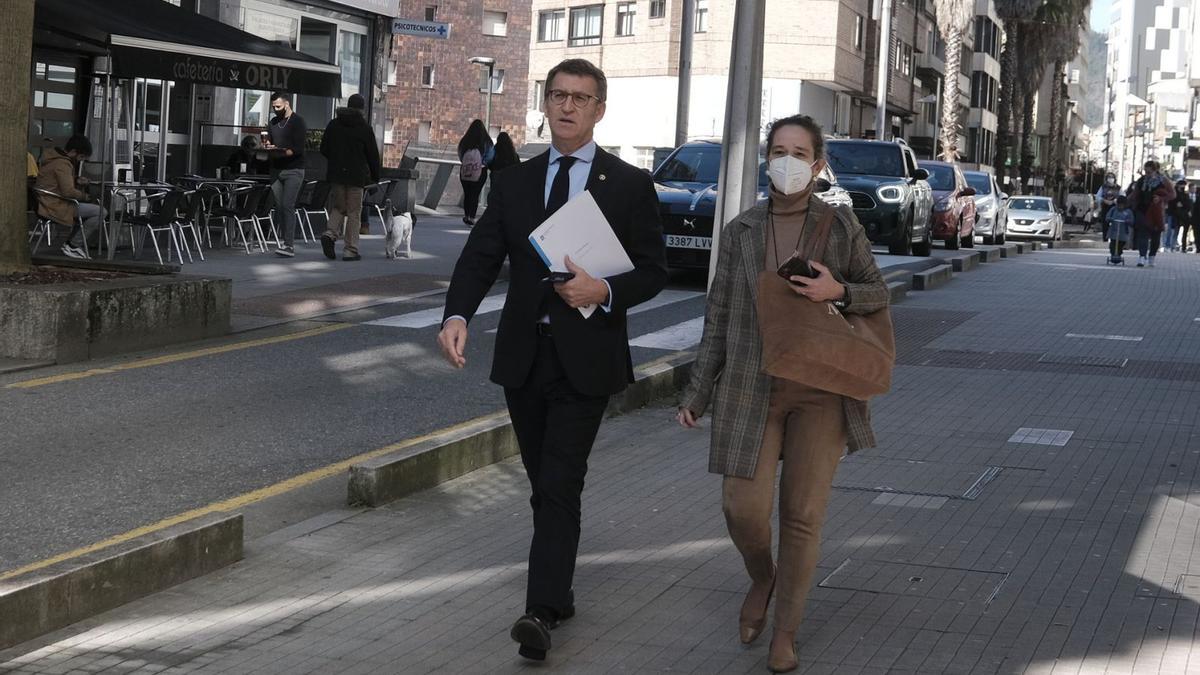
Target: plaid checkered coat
column 728, row 369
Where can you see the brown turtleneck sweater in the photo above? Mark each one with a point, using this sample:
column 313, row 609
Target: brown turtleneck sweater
column 786, row 224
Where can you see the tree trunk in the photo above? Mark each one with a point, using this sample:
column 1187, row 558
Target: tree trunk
column 1027, row 134
column 1051, row 160
column 950, row 96
column 16, row 25
column 1008, row 91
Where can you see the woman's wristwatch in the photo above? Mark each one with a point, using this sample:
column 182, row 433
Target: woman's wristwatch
column 844, row 301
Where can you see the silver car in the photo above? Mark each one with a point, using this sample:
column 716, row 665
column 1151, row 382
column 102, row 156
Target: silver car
column 991, row 207
column 1035, row 217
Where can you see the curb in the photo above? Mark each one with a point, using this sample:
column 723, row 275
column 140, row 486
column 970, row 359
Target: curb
column 448, row 456
column 987, row 255
column 44, row 600
column 933, row 278
column 965, row 261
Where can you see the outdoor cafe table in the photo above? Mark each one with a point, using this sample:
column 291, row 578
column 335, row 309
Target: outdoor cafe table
column 140, row 192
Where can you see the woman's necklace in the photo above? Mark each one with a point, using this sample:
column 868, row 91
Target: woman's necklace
column 775, row 233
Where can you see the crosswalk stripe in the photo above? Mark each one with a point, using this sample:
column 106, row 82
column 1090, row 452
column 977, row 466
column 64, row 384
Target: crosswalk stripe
column 661, row 300
column 675, row 338
column 433, row 316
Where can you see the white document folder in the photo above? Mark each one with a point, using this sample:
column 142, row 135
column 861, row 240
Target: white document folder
column 580, row 230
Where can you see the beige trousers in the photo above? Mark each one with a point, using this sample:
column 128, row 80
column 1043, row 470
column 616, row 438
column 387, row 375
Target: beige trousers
column 806, row 428
column 345, row 204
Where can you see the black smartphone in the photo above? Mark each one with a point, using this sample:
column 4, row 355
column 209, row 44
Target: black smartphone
column 796, row 267
column 559, row 277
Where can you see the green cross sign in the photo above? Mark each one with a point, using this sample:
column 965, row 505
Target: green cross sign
column 1176, row 141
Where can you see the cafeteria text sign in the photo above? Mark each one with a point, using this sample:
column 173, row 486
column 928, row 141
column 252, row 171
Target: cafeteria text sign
column 429, row 29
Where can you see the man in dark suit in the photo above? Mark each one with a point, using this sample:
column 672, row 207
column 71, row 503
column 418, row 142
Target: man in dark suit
column 557, row 368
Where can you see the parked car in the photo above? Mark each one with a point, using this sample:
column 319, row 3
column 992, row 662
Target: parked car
column 888, row 190
column 991, row 207
column 1032, row 216
column 953, row 219
column 687, row 196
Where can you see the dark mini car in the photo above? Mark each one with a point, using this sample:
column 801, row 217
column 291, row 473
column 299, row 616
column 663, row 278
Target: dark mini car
column 687, row 196
column 953, row 217
column 888, row 190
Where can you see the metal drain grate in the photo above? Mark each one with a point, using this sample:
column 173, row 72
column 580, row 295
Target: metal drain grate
column 912, row 477
column 976, row 587
column 1094, row 361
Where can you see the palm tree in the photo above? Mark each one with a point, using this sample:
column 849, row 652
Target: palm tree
column 16, row 25
column 1072, row 15
column 1012, row 13
column 1036, row 39
column 953, row 18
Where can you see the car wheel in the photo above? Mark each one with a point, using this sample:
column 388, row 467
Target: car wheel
column 1000, row 239
column 953, row 242
column 902, row 243
column 989, row 239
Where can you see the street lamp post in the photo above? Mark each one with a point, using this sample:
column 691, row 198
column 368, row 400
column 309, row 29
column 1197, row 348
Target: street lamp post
column 936, row 100
column 490, row 63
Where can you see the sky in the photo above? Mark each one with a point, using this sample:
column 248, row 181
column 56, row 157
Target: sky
column 1100, row 15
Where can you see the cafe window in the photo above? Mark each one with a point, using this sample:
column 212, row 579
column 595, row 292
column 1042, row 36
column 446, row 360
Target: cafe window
column 586, row 26
column 495, row 23
column 658, row 9
column 626, row 12
column 278, row 29
column 350, row 59
column 550, row 25
column 701, row 16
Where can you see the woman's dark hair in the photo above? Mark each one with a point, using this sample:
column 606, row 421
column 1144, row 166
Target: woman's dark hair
column 580, row 68
column 79, row 143
column 804, row 122
column 506, row 153
column 250, row 143
column 476, row 138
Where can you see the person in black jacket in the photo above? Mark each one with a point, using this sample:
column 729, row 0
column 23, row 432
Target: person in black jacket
column 287, row 134
column 474, row 152
column 1180, row 210
column 353, row 161
column 1196, row 223
column 505, row 156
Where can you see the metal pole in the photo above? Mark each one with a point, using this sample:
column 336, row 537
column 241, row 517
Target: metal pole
column 884, row 70
column 937, row 118
column 487, row 113
column 164, row 114
column 743, row 112
column 687, row 30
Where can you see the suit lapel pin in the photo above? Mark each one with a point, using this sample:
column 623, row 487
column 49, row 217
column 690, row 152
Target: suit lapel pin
column 602, row 177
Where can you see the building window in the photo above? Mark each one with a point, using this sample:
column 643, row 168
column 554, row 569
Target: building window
column 391, row 74
column 388, row 131
column 424, row 131
column 550, row 25
column 427, row 76
column 497, row 81
column 626, row 11
column 644, row 157
column 903, row 53
column 586, row 26
column 859, row 31
column 658, row 9
column 701, row 16
column 431, row 12
column 539, row 96
column 495, row 23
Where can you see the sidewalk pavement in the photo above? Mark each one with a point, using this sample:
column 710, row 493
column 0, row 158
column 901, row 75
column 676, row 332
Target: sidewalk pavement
column 1030, row 509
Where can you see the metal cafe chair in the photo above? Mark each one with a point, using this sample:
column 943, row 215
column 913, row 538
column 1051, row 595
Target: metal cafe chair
column 43, row 227
column 266, row 212
column 193, row 215
column 375, row 197
column 164, row 219
column 243, row 215
column 318, row 196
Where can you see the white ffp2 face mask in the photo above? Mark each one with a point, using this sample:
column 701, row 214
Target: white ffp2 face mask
column 789, row 175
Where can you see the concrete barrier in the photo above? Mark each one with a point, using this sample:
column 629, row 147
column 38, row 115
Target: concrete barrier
column 963, row 261
column 43, row 600
column 462, row 450
column 933, row 278
column 987, row 255
column 82, row 320
column 1010, row 250
column 898, row 290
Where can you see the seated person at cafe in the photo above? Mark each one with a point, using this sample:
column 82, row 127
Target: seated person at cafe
column 57, row 174
column 248, row 159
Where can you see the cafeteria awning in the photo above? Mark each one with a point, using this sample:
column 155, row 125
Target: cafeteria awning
column 155, row 39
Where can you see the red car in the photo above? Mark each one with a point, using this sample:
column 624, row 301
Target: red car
column 953, row 218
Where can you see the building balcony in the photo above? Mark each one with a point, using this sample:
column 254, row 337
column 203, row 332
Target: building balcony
column 930, row 65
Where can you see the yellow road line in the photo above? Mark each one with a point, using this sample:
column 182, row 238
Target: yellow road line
column 174, row 358
column 241, row 501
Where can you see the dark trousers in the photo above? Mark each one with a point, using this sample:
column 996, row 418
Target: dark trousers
column 555, row 427
column 1116, row 247
column 471, row 192
column 1145, row 240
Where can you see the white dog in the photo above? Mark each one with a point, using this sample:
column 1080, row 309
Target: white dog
column 399, row 233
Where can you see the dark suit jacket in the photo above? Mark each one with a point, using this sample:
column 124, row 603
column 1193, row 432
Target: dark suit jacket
column 594, row 351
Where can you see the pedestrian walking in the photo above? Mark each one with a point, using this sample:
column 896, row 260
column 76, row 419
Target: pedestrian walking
column 1106, row 196
column 505, row 155
column 475, row 150
column 1119, row 228
column 557, row 368
column 1195, row 219
column 287, row 136
column 58, row 174
column 1149, row 196
column 348, row 145
column 1180, row 212
column 758, row 419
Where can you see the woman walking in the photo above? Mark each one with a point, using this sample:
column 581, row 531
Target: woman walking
column 506, row 155
column 474, row 152
column 758, row 419
column 1148, row 197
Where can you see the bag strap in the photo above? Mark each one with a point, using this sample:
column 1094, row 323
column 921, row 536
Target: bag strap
column 821, row 236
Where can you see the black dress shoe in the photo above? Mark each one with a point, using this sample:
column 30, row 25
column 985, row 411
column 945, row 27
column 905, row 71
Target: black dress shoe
column 532, row 632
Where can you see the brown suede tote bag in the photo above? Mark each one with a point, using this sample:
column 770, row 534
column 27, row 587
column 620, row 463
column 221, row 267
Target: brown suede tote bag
column 815, row 344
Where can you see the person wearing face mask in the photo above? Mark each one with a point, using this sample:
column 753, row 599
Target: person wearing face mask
column 287, row 135
column 759, row 420
column 1149, row 197
column 1106, row 197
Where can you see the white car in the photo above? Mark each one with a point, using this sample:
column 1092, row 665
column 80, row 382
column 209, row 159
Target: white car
column 991, row 207
column 1035, row 217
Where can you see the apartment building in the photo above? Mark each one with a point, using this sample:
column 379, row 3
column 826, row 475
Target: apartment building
column 987, row 38
column 818, row 59
column 434, row 90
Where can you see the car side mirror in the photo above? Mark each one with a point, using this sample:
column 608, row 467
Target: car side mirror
column 920, row 174
column 1004, row 196
column 968, row 192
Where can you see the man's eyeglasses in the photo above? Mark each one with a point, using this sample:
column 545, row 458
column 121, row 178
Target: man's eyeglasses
column 559, row 97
